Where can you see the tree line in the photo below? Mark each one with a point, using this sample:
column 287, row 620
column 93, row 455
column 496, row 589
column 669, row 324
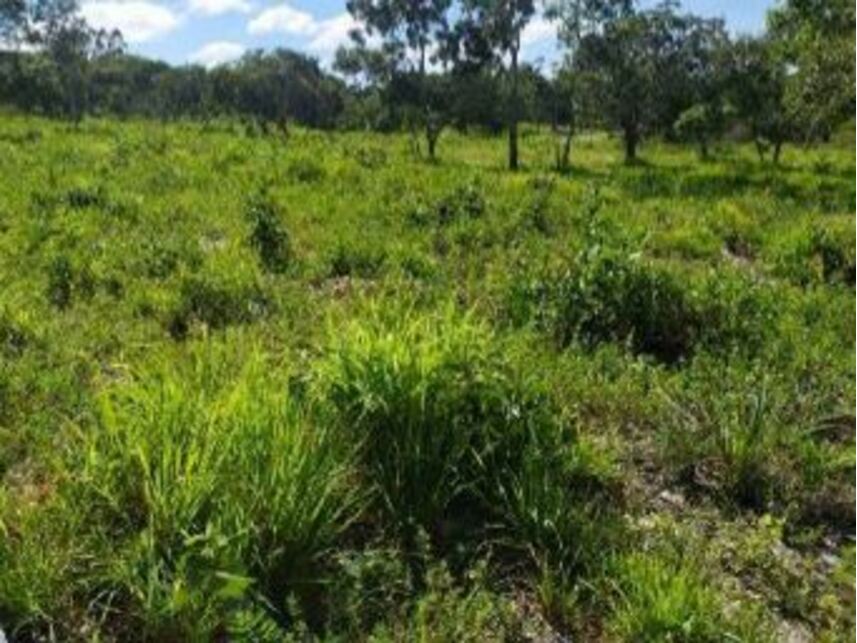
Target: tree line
column 426, row 65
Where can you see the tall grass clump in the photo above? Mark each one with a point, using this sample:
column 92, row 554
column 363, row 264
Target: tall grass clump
column 205, row 489
column 422, row 396
column 455, row 441
column 667, row 597
column 752, row 438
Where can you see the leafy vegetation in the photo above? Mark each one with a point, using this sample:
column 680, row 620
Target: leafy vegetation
column 381, row 400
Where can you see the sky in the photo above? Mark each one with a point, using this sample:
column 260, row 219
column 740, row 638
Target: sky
column 212, row 32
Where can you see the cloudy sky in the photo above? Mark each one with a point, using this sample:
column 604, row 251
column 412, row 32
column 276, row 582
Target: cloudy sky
column 211, row 32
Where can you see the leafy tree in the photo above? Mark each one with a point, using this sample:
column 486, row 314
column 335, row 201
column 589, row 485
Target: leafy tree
column 704, row 78
column 476, row 96
column 644, row 68
column 815, row 39
column 409, row 30
column 619, row 68
column 490, row 32
column 62, row 36
column 757, row 88
column 576, row 20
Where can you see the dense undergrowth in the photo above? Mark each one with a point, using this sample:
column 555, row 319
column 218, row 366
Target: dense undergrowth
column 322, row 390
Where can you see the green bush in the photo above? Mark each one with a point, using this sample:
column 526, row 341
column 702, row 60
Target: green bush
column 60, row 282
column 216, row 300
column 353, row 259
column 464, row 202
column 608, row 296
column 306, row 170
column 817, row 254
column 268, row 234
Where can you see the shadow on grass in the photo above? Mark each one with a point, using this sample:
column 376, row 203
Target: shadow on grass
column 827, row 192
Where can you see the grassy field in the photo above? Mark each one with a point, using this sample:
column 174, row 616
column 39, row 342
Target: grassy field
column 320, row 390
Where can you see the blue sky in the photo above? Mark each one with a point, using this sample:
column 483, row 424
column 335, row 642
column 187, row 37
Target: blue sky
column 210, row 32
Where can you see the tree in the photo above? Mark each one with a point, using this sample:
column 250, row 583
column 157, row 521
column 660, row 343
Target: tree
column 757, row 88
column 704, row 77
column 815, row 39
column 55, row 28
column 643, row 68
column 490, row 31
column 13, row 22
column 618, row 67
column 409, row 30
column 576, row 20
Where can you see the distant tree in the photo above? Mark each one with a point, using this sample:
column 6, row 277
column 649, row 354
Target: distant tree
column 757, row 88
column 476, row 96
column 274, row 87
column 815, row 39
column 576, row 20
column 565, row 117
column 123, row 85
column 618, row 65
column 704, row 76
column 412, row 32
column 643, row 68
column 13, row 22
column 57, row 31
column 182, row 91
column 490, row 32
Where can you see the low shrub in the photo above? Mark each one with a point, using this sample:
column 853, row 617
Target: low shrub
column 464, row 202
column 268, row 234
column 216, row 300
column 306, row 170
column 83, row 197
column 15, row 335
column 608, row 296
column 817, row 254
column 352, row 259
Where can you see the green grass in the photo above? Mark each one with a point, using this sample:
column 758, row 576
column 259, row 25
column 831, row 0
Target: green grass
column 323, row 390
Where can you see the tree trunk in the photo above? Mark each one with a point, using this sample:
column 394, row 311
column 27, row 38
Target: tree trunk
column 431, row 135
column 432, row 144
column 778, row 147
column 563, row 148
column 760, row 149
column 513, row 112
column 631, row 140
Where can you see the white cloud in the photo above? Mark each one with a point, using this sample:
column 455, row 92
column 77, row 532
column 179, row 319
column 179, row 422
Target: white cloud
column 218, row 7
column 216, row 53
column 331, row 33
column 285, row 19
column 538, row 30
column 138, row 20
